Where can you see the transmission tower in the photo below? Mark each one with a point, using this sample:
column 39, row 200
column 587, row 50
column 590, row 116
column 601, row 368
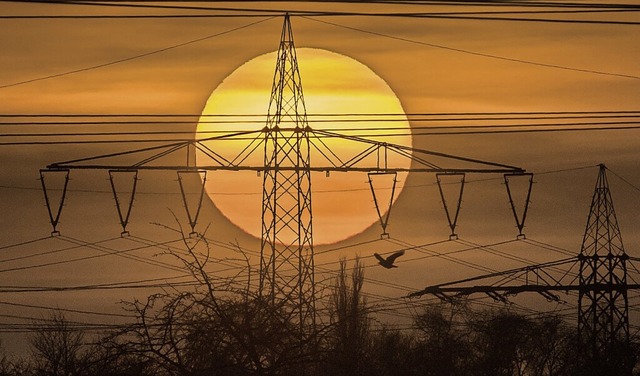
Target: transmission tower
column 603, row 307
column 286, row 255
column 287, row 139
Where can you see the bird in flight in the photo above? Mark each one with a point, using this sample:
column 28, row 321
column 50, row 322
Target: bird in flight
column 388, row 262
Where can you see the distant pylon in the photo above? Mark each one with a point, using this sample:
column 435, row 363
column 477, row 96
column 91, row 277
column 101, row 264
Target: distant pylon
column 286, row 258
column 603, row 309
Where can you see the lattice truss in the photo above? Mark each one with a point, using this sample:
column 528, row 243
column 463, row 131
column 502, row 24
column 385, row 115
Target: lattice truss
column 287, row 246
column 598, row 274
column 286, row 151
column 603, row 317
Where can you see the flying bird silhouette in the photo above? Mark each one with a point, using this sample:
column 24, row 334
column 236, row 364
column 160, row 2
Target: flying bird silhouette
column 388, row 262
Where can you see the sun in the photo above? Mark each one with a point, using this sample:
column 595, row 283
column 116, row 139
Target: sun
column 339, row 92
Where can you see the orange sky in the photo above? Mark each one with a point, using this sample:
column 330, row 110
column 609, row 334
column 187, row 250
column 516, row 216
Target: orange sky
column 333, row 84
column 433, row 66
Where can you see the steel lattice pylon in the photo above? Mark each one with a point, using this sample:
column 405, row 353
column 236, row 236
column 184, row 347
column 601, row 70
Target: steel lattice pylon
column 603, row 312
column 286, row 257
column 603, row 307
column 287, row 139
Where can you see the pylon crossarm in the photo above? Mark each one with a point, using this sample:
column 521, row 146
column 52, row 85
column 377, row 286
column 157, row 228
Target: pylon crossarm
column 415, row 158
column 233, row 136
column 511, row 274
column 541, row 276
column 248, row 150
column 501, row 298
column 495, row 166
column 374, row 157
column 514, row 290
column 151, row 154
column 419, row 156
column 353, row 161
column 371, row 147
column 71, row 164
column 205, row 150
column 164, row 153
column 262, row 168
column 327, row 153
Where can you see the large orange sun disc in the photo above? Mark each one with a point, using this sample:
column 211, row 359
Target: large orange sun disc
column 334, row 85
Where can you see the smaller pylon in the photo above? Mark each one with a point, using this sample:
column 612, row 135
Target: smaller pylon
column 603, row 307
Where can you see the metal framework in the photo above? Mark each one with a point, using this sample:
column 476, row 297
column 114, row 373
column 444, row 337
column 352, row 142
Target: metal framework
column 452, row 219
column 54, row 210
column 380, row 209
column 287, row 142
column 520, row 219
column 603, row 312
column 286, row 255
column 124, row 212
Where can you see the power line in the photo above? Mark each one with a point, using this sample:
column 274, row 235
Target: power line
column 329, row 23
column 332, row 114
column 466, row 3
column 49, row 252
column 29, row 289
column 121, row 285
column 390, row 308
column 385, row 308
column 480, row 54
column 319, row 121
column 566, row 7
column 23, row 243
column 624, row 180
column 134, row 57
column 245, row 13
column 64, row 309
column 364, row 135
column 104, row 252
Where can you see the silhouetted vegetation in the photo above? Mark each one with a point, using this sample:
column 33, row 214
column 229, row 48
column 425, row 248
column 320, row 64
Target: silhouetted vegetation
column 225, row 328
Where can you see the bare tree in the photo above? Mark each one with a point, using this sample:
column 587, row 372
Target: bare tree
column 220, row 327
column 56, row 347
column 443, row 347
column 349, row 333
column 555, row 346
column 10, row 366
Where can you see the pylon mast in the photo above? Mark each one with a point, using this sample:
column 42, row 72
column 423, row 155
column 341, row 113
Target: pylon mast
column 603, row 309
column 286, row 263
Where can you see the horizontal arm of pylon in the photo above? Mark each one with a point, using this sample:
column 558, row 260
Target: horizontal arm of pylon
column 263, row 168
column 512, row 290
column 419, row 156
column 156, row 153
column 365, row 159
column 537, row 270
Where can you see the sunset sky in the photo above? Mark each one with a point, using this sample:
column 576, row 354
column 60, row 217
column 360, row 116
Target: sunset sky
column 456, row 61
